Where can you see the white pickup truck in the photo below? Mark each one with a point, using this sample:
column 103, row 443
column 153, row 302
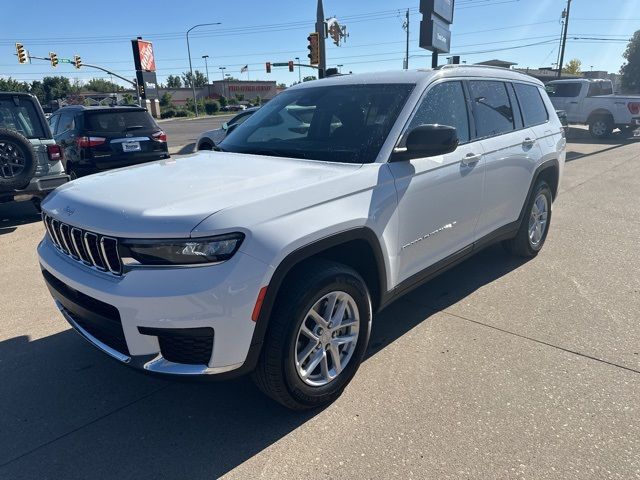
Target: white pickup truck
column 592, row 102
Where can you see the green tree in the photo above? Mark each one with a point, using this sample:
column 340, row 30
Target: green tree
column 127, row 99
column 223, row 101
column 308, row 78
column 239, row 97
column 174, row 81
column 200, row 79
column 166, row 100
column 56, row 88
column 257, row 101
column 282, row 85
column 102, row 86
column 573, row 67
column 631, row 68
column 12, row 85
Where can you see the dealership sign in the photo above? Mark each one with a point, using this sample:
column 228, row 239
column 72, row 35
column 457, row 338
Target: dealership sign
column 437, row 16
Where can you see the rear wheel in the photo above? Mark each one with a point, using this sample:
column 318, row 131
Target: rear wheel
column 601, row 126
column 17, row 160
column 535, row 225
column 317, row 336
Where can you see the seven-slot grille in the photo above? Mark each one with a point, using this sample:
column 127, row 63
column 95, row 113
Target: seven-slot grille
column 89, row 248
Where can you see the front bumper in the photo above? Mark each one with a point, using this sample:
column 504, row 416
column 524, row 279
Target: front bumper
column 125, row 316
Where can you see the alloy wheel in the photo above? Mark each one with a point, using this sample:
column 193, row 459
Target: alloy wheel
column 327, row 338
column 12, row 160
column 538, row 220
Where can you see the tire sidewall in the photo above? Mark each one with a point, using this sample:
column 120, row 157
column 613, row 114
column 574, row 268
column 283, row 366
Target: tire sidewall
column 307, row 394
column 607, row 124
column 30, row 158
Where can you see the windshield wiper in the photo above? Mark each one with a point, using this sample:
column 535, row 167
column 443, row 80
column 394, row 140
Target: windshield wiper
column 133, row 127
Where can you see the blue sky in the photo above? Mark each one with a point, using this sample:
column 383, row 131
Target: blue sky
column 253, row 32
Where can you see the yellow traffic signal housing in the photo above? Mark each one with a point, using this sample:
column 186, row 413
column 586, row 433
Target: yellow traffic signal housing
column 77, row 61
column 53, row 57
column 314, row 48
column 21, row 52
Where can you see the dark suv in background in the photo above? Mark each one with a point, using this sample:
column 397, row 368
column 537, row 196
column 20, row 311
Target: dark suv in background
column 95, row 139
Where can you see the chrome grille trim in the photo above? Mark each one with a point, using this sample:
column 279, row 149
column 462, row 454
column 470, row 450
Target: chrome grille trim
column 115, row 269
column 91, row 249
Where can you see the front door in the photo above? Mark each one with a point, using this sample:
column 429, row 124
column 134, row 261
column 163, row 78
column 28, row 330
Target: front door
column 438, row 197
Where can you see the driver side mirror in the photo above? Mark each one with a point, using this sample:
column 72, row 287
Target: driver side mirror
column 427, row 141
column 225, row 126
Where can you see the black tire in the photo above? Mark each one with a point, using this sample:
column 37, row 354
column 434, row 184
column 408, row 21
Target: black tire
column 205, row 146
column 601, row 126
column 276, row 373
column 71, row 171
column 522, row 245
column 17, row 160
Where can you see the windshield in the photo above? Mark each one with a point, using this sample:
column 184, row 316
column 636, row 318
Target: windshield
column 22, row 118
column 119, row 121
column 337, row 123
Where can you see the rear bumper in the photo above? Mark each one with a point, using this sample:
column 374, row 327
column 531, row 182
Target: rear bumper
column 39, row 187
column 97, row 164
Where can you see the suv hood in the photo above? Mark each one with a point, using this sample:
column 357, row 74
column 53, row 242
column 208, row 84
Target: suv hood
column 169, row 198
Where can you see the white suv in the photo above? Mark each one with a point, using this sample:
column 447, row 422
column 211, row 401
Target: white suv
column 271, row 255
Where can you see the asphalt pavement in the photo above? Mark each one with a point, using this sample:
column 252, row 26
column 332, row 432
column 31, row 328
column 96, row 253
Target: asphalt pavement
column 183, row 133
column 498, row 369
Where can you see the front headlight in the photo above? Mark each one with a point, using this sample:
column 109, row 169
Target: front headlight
column 191, row 251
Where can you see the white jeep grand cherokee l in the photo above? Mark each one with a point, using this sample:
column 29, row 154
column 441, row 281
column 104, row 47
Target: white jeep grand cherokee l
column 270, row 255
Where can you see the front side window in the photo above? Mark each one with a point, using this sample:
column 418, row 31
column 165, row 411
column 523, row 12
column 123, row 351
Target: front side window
column 564, row 90
column 444, row 104
column 531, row 104
column 336, row 123
column 491, row 108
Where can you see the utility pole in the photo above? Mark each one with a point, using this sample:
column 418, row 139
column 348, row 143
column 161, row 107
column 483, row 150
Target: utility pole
column 320, row 28
column 406, row 55
column 299, row 70
column 564, row 37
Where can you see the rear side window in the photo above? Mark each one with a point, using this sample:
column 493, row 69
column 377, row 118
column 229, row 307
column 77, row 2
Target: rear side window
column 531, row 104
column 444, row 104
column 119, row 121
column 53, row 123
column 491, row 107
column 564, row 90
column 600, row 88
column 22, row 118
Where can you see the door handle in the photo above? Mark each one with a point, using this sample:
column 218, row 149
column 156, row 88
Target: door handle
column 528, row 142
column 575, row 103
column 471, row 159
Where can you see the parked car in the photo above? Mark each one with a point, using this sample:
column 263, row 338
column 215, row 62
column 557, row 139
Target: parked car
column 592, row 102
column 211, row 138
column 30, row 160
column 273, row 261
column 95, row 139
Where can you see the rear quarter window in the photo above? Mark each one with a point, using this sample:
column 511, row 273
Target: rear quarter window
column 22, row 118
column 564, row 90
column 533, row 110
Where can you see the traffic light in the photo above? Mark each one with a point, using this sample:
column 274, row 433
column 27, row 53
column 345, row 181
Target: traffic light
column 21, row 52
column 335, row 33
column 141, row 89
column 268, row 65
column 53, row 57
column 291, row 65
column 314, row 48
column 77, row 61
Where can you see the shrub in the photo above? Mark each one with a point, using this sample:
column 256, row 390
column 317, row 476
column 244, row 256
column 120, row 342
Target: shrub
column 168, row 113
column 183, row 113
column 211, row 107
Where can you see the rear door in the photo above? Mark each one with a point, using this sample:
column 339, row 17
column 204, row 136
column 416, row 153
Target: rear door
column 120, row 137
column 511, row 153
column 566, row 96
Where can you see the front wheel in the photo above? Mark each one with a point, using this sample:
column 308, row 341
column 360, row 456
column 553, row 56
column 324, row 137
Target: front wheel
column 317, row 336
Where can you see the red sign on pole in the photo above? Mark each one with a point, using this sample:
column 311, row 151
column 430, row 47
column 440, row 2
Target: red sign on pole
column 143, row 55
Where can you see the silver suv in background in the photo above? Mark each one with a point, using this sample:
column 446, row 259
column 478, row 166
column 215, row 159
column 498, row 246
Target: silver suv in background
column 30, row 160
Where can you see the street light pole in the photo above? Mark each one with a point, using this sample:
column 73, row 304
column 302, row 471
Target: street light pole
column 299, row 68
column 222, row 69
column 193, row 83
column 206, row 68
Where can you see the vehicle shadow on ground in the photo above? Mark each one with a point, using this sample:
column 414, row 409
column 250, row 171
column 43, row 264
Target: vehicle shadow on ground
column 617, row 139
column 14, row 214
column 184, row 150
column 69, row 412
